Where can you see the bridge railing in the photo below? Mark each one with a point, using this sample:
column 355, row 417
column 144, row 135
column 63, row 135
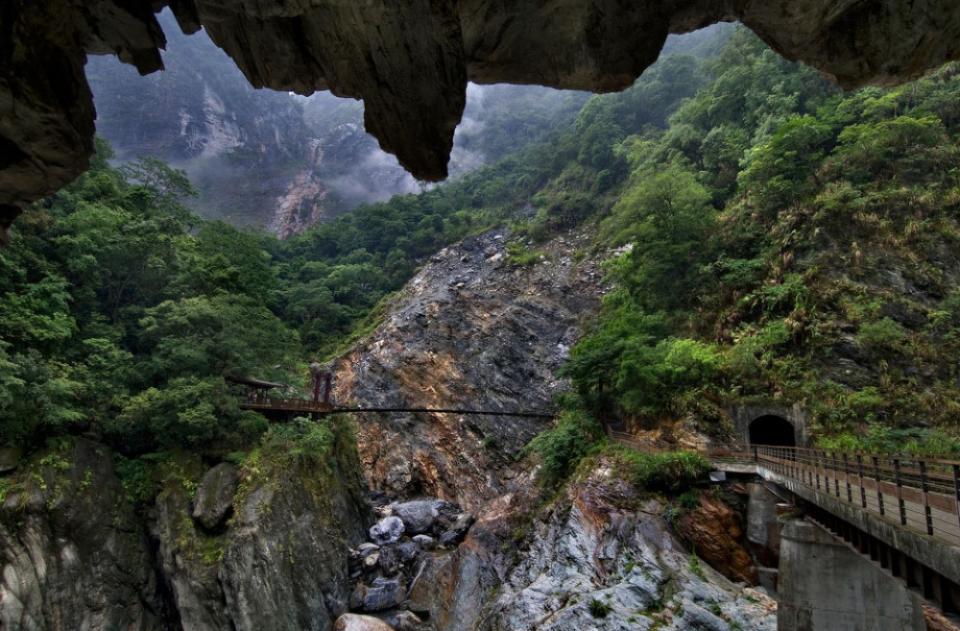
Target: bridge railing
column 922, row 494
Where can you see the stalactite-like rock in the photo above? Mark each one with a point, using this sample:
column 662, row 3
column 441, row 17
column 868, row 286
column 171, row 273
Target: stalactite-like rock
column 410, row 61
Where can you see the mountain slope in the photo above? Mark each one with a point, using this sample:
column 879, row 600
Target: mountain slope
column 279, row 161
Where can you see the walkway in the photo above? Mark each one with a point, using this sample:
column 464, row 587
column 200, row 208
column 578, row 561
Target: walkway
column 902, row 511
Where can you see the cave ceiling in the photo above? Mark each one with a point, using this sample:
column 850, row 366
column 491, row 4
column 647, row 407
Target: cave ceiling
column 410, row 60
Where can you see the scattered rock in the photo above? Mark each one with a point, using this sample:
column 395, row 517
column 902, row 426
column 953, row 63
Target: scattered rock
column 213, row 502
column 384, row 593
column 418, row 515
column 356, row 622
column 387, row 530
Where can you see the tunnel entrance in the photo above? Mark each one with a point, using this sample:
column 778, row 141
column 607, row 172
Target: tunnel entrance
column 772, row 430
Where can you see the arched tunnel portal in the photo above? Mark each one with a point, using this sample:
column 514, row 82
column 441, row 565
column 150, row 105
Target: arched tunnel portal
column 770, row 429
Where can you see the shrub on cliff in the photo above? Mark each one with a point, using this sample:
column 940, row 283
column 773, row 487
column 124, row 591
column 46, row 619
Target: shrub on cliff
column 668, row 472
column 561, row 448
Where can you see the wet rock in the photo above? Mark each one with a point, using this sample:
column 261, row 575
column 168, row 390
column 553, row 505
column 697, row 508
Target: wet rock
column 382, row 594
column 407, row 550
column 390, row 560
column 356, row 622
column 213, row 502
column 9, row 459
column 387, row 530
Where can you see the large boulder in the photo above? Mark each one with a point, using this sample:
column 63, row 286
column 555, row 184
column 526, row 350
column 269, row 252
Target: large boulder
column 383, row 594
column 387, row 530
column 213, row 502
column 418, row 515
column 356, row 622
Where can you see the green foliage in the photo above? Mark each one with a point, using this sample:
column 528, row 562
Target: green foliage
column 882, row 439
column 598, row 608
column 561, row 448
column 772, row 222
column 668, row 472
column 121, row 312
column 884, row 333
column 519, row 254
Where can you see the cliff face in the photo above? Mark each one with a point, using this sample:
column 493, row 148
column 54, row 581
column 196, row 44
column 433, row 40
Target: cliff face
column 410, row 62
column 474, row 331
column 78, row 553
column 597, row 557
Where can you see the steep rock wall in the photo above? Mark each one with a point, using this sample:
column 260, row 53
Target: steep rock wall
column 77, row 552
column 471, row 331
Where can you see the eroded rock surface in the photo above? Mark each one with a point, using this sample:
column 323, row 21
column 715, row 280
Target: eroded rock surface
column 76, row 552
column 599, row 557
column 470, row 331
column 410, row 61
column 72, row 551
column 716, row 532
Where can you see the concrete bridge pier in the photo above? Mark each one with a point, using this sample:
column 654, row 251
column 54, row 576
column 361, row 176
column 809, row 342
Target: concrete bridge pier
column 824, row 585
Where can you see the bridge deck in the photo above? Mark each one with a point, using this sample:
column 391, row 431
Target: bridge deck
column 911, row 504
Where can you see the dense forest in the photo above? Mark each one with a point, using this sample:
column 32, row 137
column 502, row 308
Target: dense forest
column 786, row 241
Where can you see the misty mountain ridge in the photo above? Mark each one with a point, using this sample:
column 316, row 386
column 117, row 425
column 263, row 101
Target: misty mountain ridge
column 284, row 162
column 281, row 161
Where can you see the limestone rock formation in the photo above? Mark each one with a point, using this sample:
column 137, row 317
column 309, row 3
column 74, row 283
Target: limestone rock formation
column 410, row 61
column 470, row 331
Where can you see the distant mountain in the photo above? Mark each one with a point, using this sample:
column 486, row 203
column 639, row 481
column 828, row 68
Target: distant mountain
column 280, row 161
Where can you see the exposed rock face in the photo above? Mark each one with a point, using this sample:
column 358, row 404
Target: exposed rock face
column 599, row 558
column 470, row 331
column 72, row 552
column 410, row 61
column 715, row 532
column 214, row 500
column 75, row 554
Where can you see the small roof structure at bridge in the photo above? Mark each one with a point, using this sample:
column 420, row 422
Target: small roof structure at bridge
column 253, row 382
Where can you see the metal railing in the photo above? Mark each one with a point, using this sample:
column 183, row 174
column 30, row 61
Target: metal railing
column 922, row 494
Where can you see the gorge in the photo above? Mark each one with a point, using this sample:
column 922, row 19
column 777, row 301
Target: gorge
column 730, row 251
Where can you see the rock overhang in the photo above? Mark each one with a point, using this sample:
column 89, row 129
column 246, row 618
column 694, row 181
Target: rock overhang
column 410, row 61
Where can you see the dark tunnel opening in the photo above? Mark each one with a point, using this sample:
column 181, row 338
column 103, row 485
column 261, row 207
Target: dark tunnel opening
column 772, row 430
